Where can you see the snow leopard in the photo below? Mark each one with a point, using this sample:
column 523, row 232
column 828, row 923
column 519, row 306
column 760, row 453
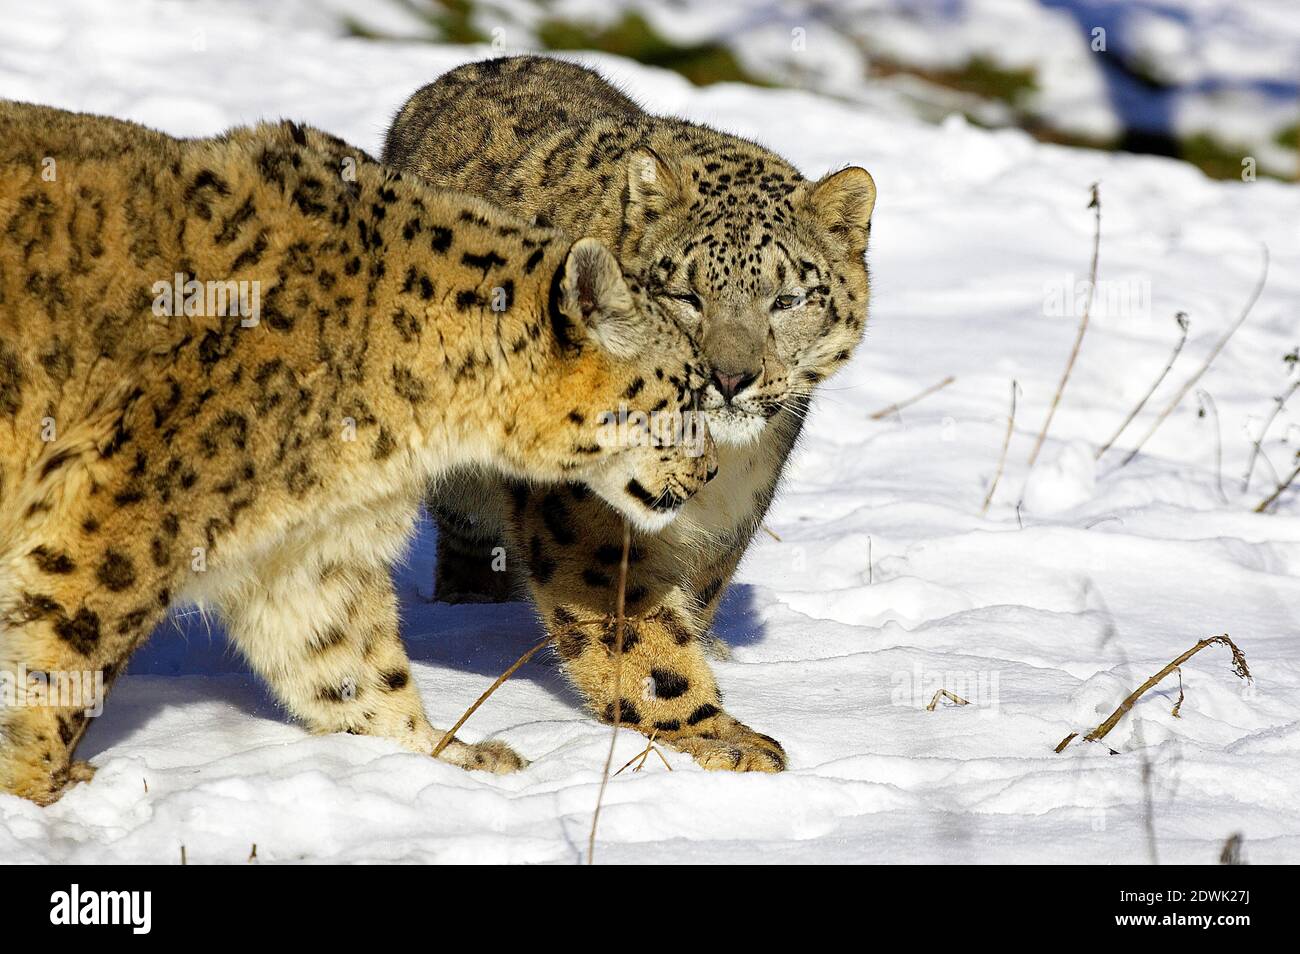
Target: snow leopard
column 767, row 267
column 229, row 369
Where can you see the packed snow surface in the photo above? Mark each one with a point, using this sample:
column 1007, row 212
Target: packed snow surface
column 881, row 581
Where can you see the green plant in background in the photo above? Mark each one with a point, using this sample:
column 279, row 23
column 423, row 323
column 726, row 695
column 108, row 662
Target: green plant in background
column 985, row 78
column 449, row 21
column 1215, row 158
column 453, row 22
column 632, row 36
column 981, row 77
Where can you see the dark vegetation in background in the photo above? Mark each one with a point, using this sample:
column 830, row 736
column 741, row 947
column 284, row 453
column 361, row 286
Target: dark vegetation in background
column 1140, row 97
column 634, row 37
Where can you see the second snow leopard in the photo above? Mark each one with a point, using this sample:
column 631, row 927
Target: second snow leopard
column 766, row 266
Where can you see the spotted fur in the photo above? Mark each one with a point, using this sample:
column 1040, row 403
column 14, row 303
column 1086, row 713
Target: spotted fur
column 767, row 267
column 272, row 467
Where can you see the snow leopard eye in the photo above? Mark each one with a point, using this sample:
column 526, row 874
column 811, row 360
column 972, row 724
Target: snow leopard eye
column 786, row 302
column 690, row 299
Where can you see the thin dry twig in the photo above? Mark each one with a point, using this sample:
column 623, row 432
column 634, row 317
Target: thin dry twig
column 1238, row 664
column 1095, row 205
column 1002, row 457
column 1281, row 489
column 1179, row 704
column 1208, row 401
column 1148, row 802
column 945, row 694
column 1214, row 353
column 895, row 408
column 641, row 757
column 1231, row 854
column 618, row 687
column 1184, row 324
column 1066, row 741
column 451, row 733
column 1258, row 444
column 770, row 532
column 1277, row 478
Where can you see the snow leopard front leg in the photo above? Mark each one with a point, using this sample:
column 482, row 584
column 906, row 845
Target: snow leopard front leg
column 571, row 543
column 667, row 688
column 322, row 629
column 472, row 561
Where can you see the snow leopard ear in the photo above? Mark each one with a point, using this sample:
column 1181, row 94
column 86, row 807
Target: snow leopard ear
column 843, row 202
column 595, row 302
column 653, row 185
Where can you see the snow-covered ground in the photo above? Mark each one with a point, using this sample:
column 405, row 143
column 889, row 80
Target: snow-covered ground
column 886, row 583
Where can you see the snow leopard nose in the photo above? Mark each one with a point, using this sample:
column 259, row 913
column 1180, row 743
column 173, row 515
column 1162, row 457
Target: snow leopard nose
column 729, row 385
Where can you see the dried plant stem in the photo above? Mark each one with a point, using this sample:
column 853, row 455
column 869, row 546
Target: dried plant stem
column 1208, row 401
column 451, row 733
column 1214, row 353
column 1281, row 489
column 1277, row 478
column 618, row 687
column 1149, row 806
column 1258, row 446
column 1230, row 854
column 1184, row 325
column 641, row 757
column 1066, row 741
column 1238, row 664
column 1002, row 457
column 770, row 532
column 895, row 408
column 945, row 694
column 1095, row 205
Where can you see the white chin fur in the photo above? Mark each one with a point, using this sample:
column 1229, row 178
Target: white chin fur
column 648, row 521
column 610, row 483
column 729, row 426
